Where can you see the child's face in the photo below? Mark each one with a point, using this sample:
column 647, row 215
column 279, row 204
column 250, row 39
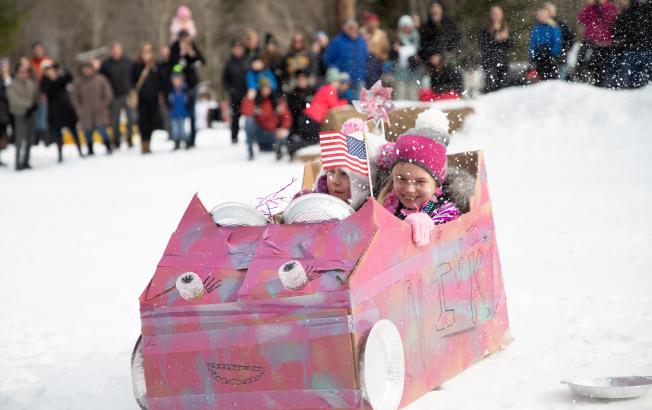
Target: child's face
column 338, row 184
column 412, row 185
column 177, row 82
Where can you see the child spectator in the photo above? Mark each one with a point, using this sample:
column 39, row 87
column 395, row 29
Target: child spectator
column 268, row 118
column 178, row 103
column 258, row 70
column 206, row 109
column 326, row 98
column 182, row 21
column 91, row 98
column 545, row 45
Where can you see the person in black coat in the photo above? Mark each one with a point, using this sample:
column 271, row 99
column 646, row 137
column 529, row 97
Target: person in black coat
column 146, row 78
column 443, row 77
column 297, row 99
column 5, row 115
column 234, row 79
column 495, row 44
column 117, row 69
column 186, row 58
column 61, row 113
column 439, row 34
column 632, row 34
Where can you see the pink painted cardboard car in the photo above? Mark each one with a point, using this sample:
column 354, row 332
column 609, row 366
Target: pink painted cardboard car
column 380, row 322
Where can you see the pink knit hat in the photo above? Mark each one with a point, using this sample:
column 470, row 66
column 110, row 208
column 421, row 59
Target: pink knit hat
column 184, row 12
column 420, row 148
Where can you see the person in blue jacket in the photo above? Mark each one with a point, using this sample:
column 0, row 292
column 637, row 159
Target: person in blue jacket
column 257, row 70
column 545, row 45
column 348, row 53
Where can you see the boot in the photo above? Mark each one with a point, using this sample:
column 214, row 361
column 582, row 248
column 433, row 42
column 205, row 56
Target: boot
column 59, row 153
column 145, row 147
column 177, row 145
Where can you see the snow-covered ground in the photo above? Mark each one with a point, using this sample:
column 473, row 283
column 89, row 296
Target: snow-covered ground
column 571, row 186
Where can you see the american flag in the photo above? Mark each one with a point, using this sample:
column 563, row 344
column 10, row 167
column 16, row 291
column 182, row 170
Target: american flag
column 343, row 151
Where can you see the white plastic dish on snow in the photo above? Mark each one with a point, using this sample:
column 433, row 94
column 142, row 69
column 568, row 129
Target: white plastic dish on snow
column 316, row 208
column 382, row 366
column 610, row 387
column 231, row 214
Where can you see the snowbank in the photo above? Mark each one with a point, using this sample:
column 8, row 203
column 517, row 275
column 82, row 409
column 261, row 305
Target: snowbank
column 571, row 187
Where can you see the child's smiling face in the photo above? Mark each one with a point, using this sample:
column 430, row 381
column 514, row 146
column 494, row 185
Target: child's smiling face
column 413, row 185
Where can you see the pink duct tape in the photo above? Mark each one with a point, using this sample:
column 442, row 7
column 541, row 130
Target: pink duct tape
column 168, row 325
column 283, row 399
column 242, row 336
column 289, row 305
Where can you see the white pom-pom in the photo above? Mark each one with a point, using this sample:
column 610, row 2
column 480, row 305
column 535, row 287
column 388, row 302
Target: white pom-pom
column 433, row 118
column 190, row 286
column 292, row 275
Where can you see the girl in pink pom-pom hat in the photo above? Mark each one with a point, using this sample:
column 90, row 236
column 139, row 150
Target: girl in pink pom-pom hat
column 413, row 191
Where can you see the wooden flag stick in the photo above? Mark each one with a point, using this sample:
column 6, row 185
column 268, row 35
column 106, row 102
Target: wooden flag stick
column 366, row 148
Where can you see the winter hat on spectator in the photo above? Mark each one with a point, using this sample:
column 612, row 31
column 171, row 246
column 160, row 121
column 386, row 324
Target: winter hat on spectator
column 405, row 21
column 425, row 145
column 183, row 12
column 370, row 17
column 332, row 75
column 345, row 77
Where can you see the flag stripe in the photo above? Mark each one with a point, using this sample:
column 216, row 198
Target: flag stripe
column 339, row 150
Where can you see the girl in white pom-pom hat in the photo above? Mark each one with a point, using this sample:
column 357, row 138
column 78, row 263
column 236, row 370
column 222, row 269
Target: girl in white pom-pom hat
column 343, row 183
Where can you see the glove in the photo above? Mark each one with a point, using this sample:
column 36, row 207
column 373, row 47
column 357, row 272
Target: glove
column 421, row 226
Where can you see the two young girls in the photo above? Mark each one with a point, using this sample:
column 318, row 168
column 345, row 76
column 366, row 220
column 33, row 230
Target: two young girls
column 414, row 190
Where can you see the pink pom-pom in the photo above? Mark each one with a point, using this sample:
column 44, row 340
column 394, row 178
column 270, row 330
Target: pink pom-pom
column 354, row 125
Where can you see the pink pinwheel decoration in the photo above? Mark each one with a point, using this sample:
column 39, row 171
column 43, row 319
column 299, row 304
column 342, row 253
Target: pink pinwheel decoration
column 376, row 102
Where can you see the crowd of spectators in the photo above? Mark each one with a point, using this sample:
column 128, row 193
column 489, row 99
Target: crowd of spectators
column 285, row 95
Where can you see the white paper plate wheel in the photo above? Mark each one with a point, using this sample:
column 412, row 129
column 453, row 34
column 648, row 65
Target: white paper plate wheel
column 138, row 374
column 383, row 366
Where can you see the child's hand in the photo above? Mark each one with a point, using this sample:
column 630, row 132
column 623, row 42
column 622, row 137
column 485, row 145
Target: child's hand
column 421, row 226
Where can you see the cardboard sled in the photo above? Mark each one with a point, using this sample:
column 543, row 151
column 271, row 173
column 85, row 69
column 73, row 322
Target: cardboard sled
column 250, row 343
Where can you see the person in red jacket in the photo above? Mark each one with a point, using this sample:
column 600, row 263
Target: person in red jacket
column 326, row 98
column 268, row 118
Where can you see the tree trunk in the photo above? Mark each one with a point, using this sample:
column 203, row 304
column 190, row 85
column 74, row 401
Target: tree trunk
column 345, row 10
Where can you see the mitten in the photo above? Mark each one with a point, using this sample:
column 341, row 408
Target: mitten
column 421, row 226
